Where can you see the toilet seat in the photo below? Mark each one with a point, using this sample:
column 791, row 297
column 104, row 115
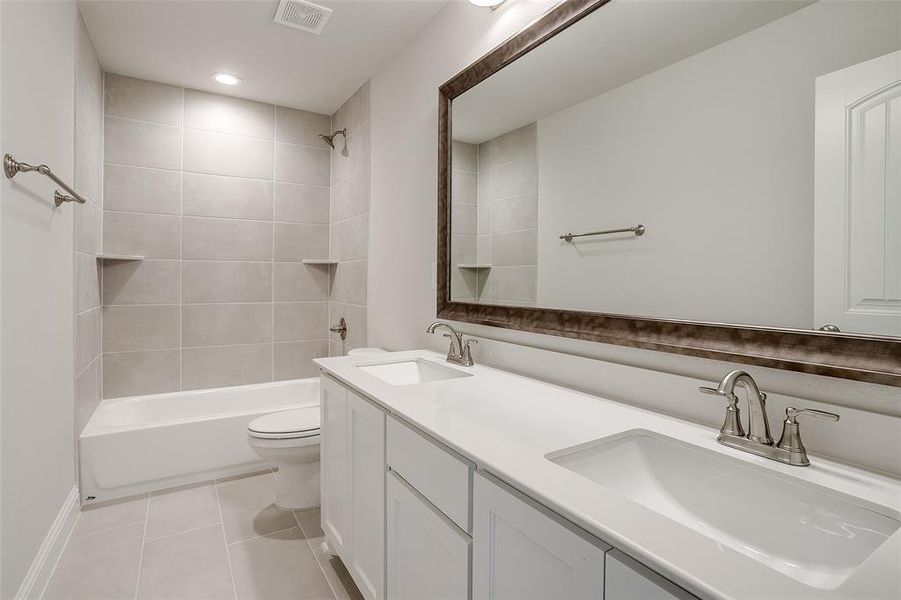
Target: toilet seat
column 296, row 423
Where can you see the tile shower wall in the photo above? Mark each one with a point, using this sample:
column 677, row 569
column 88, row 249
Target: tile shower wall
column 349, row 221
column 224, row 198
column 88, row 217
column 494, row 204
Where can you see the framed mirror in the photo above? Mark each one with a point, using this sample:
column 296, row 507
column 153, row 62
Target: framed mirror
column 716, row 179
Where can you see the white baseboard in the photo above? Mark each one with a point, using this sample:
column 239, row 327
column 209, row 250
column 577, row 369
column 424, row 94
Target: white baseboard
column 41, row 568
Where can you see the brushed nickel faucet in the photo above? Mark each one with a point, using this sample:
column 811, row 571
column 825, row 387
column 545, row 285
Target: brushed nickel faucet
column 459, row 352
column 789, row 449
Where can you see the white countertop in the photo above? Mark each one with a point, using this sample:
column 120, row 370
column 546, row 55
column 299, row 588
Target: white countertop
column 506, row 424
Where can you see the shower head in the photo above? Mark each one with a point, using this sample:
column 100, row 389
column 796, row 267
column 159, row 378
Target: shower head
column 330, row 139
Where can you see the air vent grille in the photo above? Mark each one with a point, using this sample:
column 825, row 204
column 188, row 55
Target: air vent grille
column 302, row 15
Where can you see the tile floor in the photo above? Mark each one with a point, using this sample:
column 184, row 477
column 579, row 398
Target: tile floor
column 221, row 539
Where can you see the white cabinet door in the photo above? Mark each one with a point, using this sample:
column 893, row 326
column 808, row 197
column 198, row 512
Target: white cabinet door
column 335, row 477
column 367, row 482
column 520, row 552
column 428, row 555
column 857, row 231
column 626, row 579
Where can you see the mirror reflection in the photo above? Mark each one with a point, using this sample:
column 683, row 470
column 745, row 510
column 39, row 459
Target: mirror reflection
column 732, row 162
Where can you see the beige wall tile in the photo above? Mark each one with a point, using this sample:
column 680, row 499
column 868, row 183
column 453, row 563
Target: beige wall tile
column 353, row 156
column 127, row 328
column 225, row 114
column 139, row 373
column 87, row 394
column 301, row 126
column 226, row 365
column 515, row 284
column 140, row 282
column 514, row 249
column 463, row 249
column 355, row 110
column 350, row 283
column 88, row 162
column 218, row 196
column 150, row 236
column 301, row 164
column 350, row 238
column 300, row 321
column 465, row 157
column 514, row 179
column 87, row 338
column 88, row 67
column 298, row 203
column 139, row 189
column 296, row 282
column 351, row 196
column 225, row 324
column 212, row 281
column 298, row 241
column 294, row 360
column 141, row 144
column 512, row 214
column 463, row 187
column 88, row 231
column 87, row 282
column 355, row 317
column 142, row 100
column 222, row 154
column 226, row 239
column 464, row 218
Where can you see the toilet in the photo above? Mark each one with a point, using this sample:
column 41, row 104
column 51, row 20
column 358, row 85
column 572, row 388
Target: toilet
column 290, row 439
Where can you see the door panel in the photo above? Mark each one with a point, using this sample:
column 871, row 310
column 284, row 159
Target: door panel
column 334, row 473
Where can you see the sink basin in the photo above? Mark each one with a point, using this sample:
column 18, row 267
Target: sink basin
column 408, row 372
column 807, row 532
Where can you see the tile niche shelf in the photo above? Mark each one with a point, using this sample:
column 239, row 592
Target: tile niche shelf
column 119, row 257
column 320, row 262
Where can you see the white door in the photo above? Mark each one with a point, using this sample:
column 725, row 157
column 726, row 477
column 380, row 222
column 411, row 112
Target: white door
column 519, row 552
column 858, row 198
column 367, row 477
column 335, row 477
column 427, row 554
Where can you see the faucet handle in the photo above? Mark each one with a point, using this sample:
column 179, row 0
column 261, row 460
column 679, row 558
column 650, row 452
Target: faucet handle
column 451, row 351
column 790, row 441
column 732, row 422
column 467, row 352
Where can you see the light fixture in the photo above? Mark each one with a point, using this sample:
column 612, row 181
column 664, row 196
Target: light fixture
column 487, row 3
column 226, row 78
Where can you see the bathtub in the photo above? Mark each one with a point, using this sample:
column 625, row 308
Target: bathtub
column 146, row 443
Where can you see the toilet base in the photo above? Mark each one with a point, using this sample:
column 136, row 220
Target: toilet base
column 298, row 486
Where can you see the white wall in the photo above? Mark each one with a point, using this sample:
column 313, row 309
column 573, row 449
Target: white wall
column 36, row 337
column 402, row 297
column 714, row 155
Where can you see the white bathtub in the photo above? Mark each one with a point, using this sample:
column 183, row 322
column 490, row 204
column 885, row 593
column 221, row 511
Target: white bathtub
column 145, row 443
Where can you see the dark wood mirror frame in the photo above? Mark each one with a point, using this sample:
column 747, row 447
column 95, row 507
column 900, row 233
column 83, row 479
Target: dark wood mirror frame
column 868, row 358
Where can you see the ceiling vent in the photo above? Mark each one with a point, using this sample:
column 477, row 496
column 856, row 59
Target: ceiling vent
column 302, row 15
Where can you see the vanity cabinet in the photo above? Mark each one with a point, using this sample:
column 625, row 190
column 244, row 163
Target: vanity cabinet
column 627, row 579
column 427, row 554
column 522, row 551
column 353, row 484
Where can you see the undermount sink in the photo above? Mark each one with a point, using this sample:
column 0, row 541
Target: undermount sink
column 408, row 372
column 801, row 530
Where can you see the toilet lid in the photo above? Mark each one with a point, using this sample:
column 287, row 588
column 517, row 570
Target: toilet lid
column 297, row 422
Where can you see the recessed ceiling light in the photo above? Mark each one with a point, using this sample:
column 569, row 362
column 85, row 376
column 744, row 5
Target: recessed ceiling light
column 487, row 3
column 226, row 78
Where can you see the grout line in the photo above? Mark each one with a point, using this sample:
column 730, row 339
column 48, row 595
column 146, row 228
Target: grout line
column 143, row 543
column 306, row 538
column 191, row 530
column 256, row 537
column 181, row 245
column 228, row 556
column 212, row 217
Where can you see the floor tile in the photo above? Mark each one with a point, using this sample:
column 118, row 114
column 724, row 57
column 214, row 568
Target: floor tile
column 99, row 517
column 248, row 508
column 99, row 565
column 339, row 579
column 192, row 565
column 182, row 509
column 277, row 566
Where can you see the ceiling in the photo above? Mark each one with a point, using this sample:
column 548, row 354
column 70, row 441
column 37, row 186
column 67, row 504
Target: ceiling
column 181, row 42
column 618, row 43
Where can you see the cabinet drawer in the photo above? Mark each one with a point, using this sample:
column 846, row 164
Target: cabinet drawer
column 428, row 556
column 439, row 475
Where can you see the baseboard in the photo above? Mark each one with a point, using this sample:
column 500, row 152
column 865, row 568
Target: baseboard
column 39, row 572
